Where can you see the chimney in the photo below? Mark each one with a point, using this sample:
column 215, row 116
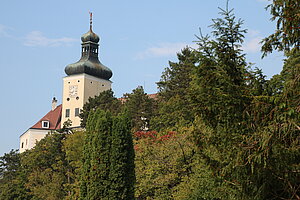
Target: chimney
column 54, row 103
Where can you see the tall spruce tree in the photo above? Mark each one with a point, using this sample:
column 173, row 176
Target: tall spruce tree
column 217, row 95
column 218, row 82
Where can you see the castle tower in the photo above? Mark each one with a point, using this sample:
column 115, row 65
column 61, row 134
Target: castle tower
column 86, row 78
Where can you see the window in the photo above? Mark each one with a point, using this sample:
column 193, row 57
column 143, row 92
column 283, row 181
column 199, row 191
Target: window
column 76, row 112
column 45, row 124
column 67, row 112
column 22, row 146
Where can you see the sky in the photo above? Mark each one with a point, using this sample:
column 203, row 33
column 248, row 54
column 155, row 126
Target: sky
column 138, row 38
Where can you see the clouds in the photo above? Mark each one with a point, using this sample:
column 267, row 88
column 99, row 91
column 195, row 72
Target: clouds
column 162, row 50
column 252, row 43
column 4, row 31
column 36, row 38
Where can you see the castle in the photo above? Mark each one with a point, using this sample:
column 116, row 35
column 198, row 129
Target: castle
column 86, row 78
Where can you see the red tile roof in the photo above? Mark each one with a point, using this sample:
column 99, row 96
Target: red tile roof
column 54, row 118
column 151, row 96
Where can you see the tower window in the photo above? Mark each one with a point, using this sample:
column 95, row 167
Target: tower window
column 45, row 124
column 76, row 112
column 67, row 112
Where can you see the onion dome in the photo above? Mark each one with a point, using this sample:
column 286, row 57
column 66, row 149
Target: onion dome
column 90, row 36
column 89, row 62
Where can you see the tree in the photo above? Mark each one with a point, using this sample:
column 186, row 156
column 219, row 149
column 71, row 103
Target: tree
column 95, row 169
column 122, row 168
column 45, row 168
column 173, row 105
column 108, row 169
column 141, row 108
column 219, row 95
column 73, row 148
column 287, row 33
column 216, row 92
column 105, row 101
column 12, row 179
column 256, row 83
column 163, row 163
column 9, row 164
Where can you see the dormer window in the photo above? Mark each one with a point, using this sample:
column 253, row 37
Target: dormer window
column 45, row 124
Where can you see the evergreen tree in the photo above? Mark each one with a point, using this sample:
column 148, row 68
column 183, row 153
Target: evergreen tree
column 105, row 101
column 95, row 171
column 217, row 94
column 287, row 34
column 218, row 82
column 122, row 173
column 173, row 104
column 108, row 169
column 12, row 180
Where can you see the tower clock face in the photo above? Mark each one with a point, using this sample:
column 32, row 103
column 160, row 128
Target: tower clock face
column 73, row 90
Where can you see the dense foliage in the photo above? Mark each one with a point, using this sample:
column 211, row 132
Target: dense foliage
column 217, row 129
column 108, row 158
column 105, row 101
column 287, row 33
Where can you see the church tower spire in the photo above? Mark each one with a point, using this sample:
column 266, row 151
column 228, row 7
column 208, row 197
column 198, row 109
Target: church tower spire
column 89, row 62
column 91, row 20
column 86, row 78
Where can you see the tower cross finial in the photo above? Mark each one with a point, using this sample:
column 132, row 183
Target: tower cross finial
column 91, row 20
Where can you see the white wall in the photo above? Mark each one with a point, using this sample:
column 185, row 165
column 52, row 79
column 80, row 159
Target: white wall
column 31, row 137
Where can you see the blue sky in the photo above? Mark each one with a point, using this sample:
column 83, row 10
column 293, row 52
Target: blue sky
column 137, row 39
